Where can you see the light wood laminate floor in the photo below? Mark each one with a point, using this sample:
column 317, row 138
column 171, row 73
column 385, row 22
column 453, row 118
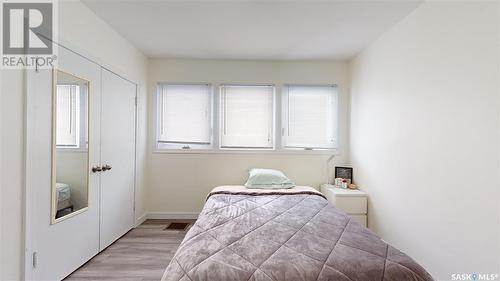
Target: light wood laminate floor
column 140, row 255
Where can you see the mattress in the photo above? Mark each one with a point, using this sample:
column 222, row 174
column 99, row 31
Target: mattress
column 283, row 235
column 63, row 196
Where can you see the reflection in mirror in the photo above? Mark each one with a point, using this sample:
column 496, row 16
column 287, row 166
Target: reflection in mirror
column 70, row 146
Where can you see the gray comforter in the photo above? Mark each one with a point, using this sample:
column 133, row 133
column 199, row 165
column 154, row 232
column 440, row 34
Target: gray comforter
column 253, row 236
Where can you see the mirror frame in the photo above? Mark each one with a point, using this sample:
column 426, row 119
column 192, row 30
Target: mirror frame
column 53, row 207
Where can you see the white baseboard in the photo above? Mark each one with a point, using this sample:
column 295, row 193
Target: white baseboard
column 173, row 215
column 141, row 219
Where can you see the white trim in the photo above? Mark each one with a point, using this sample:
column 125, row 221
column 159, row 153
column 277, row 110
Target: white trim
column 166, row 216
column 250, row 151
column 140, row 220
column 173, row 215
column 136, row 151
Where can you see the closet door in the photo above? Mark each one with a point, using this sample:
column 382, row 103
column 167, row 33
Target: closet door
column 118, row 154
column 59, row 243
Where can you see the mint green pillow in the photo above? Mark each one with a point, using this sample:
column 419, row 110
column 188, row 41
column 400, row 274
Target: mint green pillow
column 268, row 179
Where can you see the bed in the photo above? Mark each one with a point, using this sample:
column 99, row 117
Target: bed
column 63, row 196
column 283, row 235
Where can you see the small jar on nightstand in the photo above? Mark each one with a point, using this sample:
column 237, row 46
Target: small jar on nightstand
column 353, row 202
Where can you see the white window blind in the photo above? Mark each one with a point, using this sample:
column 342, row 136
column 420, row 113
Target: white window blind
column 184, row 114
column 311, row 117
column 67, row 115
column 247, row 116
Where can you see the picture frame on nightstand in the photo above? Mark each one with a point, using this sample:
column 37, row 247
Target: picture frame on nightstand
column 344, row 172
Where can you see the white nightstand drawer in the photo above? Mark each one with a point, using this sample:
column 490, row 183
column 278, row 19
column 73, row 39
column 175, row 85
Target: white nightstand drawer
column 352, row 202
column 351, row 205
column 361, row 219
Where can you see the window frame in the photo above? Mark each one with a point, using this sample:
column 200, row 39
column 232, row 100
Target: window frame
column 278, row 123
column 285, row 118
column 273, row 121
column 182, row 146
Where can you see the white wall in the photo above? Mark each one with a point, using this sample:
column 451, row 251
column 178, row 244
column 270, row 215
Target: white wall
column 178, row 183
column 11, row 180
column 81, row 30
column 425, row 136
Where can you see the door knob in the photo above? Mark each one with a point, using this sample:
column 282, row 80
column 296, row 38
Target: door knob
column 106, row 167
column 96, row 169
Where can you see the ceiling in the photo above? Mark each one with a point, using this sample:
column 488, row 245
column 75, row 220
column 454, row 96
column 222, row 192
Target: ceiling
column 238, row 29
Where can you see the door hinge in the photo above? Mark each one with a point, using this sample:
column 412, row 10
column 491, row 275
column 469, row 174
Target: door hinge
column 135, row 100
column 34, row 259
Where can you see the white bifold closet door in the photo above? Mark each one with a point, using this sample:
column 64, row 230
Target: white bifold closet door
column 53, row 251
column 117, row 151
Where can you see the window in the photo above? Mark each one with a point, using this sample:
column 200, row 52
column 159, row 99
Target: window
column 310, row 117
column 68, row 116
column 184, row 116
column 247, row 116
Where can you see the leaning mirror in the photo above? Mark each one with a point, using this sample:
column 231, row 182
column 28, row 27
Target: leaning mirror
column 70, row 145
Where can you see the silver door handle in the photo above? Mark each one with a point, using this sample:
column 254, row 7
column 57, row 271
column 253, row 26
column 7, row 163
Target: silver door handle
column 96, row 169
column 106, row 167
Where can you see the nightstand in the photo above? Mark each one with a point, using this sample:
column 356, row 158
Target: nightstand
column 353, row 202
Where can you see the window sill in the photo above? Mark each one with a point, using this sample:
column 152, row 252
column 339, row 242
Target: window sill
column 248, row 151
column 70, row 149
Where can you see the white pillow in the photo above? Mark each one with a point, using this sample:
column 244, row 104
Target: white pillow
column 268, row 179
